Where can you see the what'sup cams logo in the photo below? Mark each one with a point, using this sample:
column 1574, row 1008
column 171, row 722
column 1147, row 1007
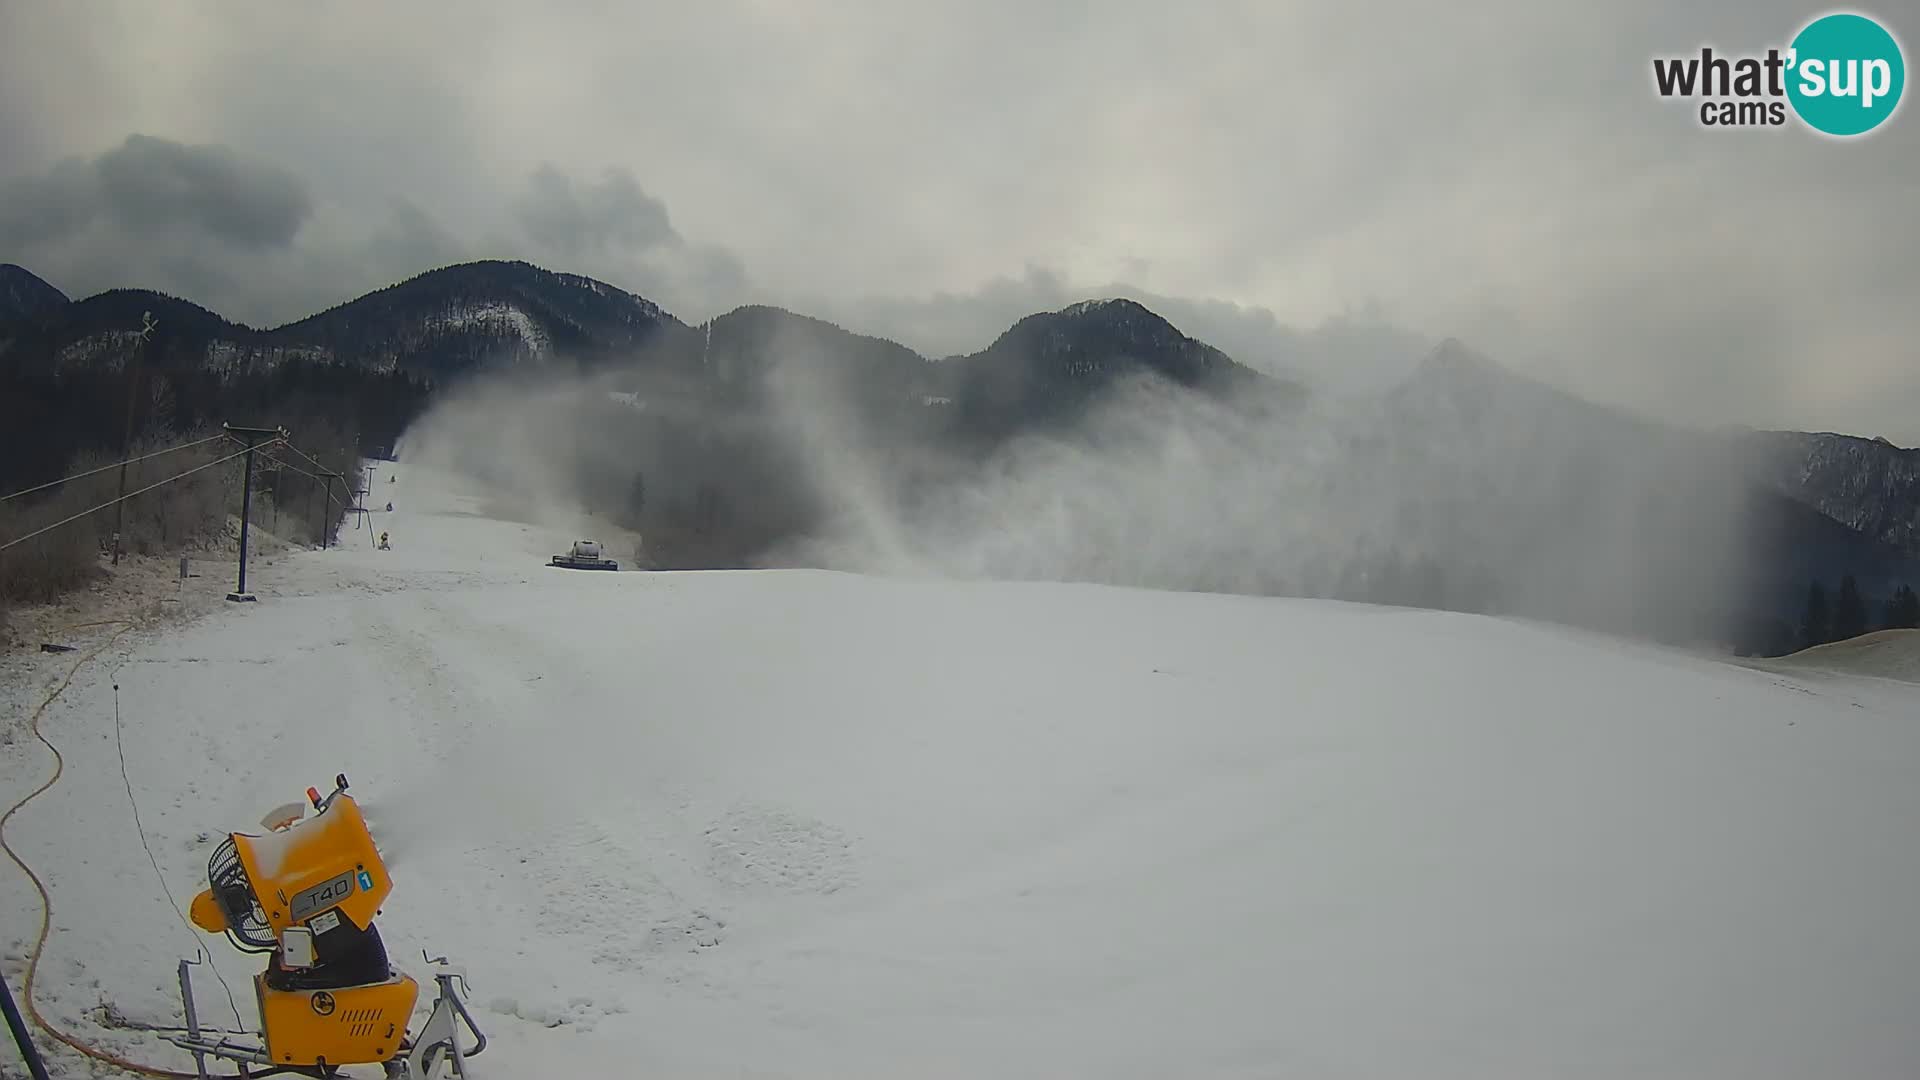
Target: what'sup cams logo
column 1841, row 75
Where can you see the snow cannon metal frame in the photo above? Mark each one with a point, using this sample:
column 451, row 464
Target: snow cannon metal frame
column 584, row 555
column 305, row 893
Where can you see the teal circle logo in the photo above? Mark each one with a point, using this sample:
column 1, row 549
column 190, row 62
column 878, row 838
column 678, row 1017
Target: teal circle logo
column 1845, row 74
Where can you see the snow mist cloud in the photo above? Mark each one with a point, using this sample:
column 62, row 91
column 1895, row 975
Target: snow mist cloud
column 537, row 444
column 1462, row 487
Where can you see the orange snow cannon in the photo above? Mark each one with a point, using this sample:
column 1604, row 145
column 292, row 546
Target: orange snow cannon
column 305, row 893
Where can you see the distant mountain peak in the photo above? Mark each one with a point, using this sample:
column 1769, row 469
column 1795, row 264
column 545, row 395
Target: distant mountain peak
column 1454, row 355
column 1107, row 305
column 766, row 318
column 1455, row 367
column 1050, row 366
column 772, row 313
column 436, row 325
column 1111, row 322
column 24, row 294
column 1106, row 325
column 1455, row 377
column 506, row 274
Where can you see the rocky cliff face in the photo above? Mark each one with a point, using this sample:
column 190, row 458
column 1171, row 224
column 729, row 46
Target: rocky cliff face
column 1868, row 485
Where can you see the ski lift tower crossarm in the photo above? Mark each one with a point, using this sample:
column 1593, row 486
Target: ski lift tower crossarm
column 359, row 506
column 254, row 438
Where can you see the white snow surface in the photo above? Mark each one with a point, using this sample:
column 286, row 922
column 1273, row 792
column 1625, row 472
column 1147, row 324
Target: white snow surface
column 497, row 316
column 824, row 825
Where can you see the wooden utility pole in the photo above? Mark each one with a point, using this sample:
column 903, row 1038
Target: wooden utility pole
column 255, row 438
column 147, row 324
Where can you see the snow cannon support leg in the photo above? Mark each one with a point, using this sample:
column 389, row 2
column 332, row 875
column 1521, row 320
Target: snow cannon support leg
column 440, row 1042
column 193, row 1018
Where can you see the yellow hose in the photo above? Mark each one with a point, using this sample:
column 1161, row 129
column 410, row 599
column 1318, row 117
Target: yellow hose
column 46, row 902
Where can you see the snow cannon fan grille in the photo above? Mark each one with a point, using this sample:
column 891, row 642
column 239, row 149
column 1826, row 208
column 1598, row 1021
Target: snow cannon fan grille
column 246, row 923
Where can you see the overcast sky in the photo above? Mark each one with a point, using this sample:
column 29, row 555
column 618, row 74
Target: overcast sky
column 1321, row 186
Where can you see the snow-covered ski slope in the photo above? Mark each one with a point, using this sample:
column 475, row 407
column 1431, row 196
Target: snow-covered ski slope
column 821, row 825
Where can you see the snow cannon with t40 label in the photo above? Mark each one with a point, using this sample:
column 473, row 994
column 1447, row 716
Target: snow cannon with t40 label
column 305, row 894
column 584, row 555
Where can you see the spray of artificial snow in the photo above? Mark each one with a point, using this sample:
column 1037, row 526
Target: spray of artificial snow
column 1514, row 491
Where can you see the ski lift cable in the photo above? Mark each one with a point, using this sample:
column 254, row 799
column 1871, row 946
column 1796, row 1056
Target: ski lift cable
column 115, row 465
column 130, row 495
column 311, row 476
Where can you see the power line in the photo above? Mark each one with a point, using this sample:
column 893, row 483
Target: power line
column 123, row 498
column 115, row 465
column 317, row 479
column 290, row 468
column 310, row 459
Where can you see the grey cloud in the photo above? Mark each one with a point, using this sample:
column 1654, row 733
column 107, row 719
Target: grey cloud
column 1355, row 351
column 694, row 282
column 36, row 210
column 147, row 185
column 709, row 272
column 226, row 232
column 198, row 221
column 575, row 218
column 344, row 254
column 1317, row 188
column 611, row 228
column 249, row 204
column 411, row 240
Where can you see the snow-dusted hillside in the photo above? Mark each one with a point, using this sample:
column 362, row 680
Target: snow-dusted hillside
column 810, row 824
